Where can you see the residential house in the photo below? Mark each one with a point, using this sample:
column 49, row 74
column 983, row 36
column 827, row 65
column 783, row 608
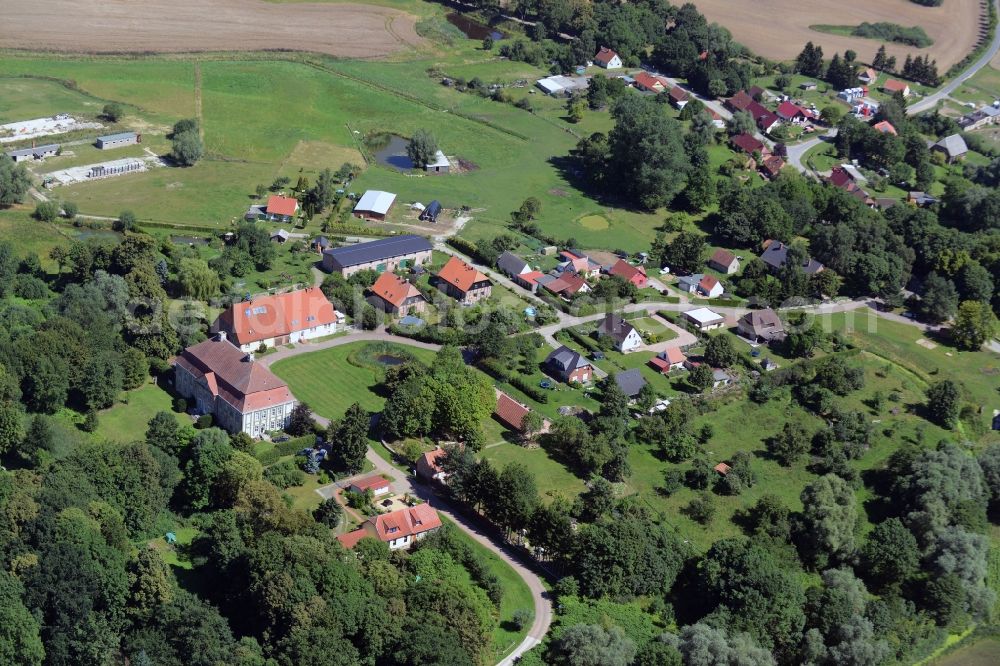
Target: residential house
column 794, row 113
column 578, row 262
column 512, row 265
column 704, row 319
column 668, row 360
column 463, row 282
column 679, row 97
column 761, row 326
column 758, row 93
column 748, row 144
column 568, row 284
column 893, row 86
column 607, row 59
column 953, row 147
column 630, row 382
column 398, row 529
column 772, row 166
column 701, row 284
column 741, row 101
column 625, row 336
column 281, row 319
column 386, row 254
column 374, row 205
column 885, row 127
column 218, row 378
column 569, row 366
column 720, row 378
column 396, row 296
column 724, row 261
column 626, row 271
column 987, row 115
column 431, row 212
column 511, row 413
column 868, row 75
column 376, row 484
column 281, row 209
column 920, row 199
column 429, row 466
column 649, row 83
column 776, row 254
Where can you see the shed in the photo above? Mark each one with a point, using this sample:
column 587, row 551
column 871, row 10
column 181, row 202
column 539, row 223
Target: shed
column 118, row 140
column 440, row 164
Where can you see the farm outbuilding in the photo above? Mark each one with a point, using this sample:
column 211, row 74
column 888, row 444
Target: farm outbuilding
column 430, row 214
column 440, row 164
column 374, row 205
column 34, row 153
column 119, row 140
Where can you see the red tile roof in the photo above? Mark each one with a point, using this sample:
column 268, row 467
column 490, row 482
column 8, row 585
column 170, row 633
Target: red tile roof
column 531, row 277
column 675, row 355
column 405, row 522
column 708, row 283
column 460, row 274
column 273, row 316
column 840, row 178
column 567, row 283
column 373, row 482
column 723, row 257
column 649, row 82
column 432, row 458
column 894, row 85
column 740, row 101
column 722, row 468
column 626, row 271
column 788, row 110
column 678, row 94
column 228, row 373
column 660, row 364
column 773, row 165
column 351, row 539
column 747, row 143
column 393, row 289
column 885, row 127
column 510, row 412
column 604, row 56
column 279, row 205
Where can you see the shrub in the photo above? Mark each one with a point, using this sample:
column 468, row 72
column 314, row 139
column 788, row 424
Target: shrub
column 204, row 421
column 285, row 474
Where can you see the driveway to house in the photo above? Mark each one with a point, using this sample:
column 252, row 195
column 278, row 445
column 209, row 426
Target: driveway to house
column 798, row 151
column 931, row 101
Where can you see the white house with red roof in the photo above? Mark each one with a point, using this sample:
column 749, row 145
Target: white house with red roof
column 701, row 284
column 607, row 59
column 396, row 296
column 224, row 381
column 280, row 319
column 398, row 529
column 375, row 483
column 668, row 360
column 429, row 466
column 649, row 83
column 280, row 208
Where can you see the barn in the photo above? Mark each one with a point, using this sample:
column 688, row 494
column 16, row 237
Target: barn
column 119, row 140
column 374, row 205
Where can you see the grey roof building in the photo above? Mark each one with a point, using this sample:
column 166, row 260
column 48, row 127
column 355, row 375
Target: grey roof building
column 776, row 255
column 952, row 146
column 630, row 382
column 387, row 253
column 761, row 326
column 569, row 365
column 511, row 264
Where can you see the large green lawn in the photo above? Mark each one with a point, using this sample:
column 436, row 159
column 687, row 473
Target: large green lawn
column 553, row 478
column 127, row 421
column 330, row 384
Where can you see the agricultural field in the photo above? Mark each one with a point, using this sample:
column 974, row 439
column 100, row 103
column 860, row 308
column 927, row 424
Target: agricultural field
column 338, row 29
column 780, row 29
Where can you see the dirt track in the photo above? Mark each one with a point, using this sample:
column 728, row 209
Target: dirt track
column 778, row 29
column 115, row 26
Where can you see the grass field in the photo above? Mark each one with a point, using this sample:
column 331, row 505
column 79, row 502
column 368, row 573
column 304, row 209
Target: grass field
column 553, row 478
column 983, row 653
column 330, row 384
column 127, row 421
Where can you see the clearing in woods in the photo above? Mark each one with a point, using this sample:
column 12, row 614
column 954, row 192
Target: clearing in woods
column 176, row 26
column 778, row 29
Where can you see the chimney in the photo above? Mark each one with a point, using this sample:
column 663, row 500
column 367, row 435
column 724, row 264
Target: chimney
column 221, row 336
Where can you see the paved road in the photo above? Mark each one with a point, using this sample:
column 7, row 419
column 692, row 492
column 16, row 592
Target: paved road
column 931, row 101
column 796, row 152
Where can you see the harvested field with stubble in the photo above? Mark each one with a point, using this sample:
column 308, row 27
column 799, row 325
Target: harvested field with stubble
column 177, row 26
column 778, row 29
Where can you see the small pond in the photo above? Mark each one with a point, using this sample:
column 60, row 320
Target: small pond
column 390, row 359
column 390, row 151
column 473, row 29
column 188, row 240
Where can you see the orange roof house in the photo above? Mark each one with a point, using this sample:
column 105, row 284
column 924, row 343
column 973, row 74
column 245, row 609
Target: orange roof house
column 463, row 282
column 893, row 86
column 669, row 359
column 283, row 208
column 648, row 82
column 377, row 484
column 399, row 529
column 626, row 271
column 280, row 319
column 885, row 127
column 393, row 294
column 429, row 465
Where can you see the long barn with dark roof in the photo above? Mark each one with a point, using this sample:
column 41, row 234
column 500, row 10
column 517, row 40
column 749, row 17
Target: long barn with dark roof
column 386, row 254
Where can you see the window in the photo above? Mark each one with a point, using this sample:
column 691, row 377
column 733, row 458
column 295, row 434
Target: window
column 311, row 318
column 259, row 310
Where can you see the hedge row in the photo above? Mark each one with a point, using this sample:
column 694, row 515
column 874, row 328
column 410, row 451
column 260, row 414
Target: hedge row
column 288, row 448
column 495, row 369
column 584, row 340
